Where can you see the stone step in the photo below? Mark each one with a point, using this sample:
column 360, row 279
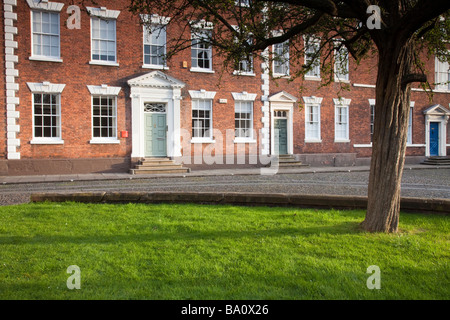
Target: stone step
column 292, row 164
column 156, row 160
column 161, row 166
column 159, row 171
column 437, row 161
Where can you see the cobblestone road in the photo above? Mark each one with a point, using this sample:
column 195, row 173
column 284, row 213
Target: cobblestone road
column 429, row 183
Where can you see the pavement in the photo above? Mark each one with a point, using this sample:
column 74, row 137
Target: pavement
column 194, row 173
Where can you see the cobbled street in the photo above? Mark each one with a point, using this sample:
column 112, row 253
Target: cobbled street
column 428, row 183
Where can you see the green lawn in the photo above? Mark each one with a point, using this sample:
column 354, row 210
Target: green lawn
column 138, row 251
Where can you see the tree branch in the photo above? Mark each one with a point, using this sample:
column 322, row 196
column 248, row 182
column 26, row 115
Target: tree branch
column 414, row 77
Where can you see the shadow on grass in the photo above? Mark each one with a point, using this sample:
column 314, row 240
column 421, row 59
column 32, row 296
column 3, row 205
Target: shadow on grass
column 183, row 233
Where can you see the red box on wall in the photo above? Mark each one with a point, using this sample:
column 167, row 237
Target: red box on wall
column 124, row 134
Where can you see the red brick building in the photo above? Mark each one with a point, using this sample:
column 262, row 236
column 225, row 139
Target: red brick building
column 88, row 91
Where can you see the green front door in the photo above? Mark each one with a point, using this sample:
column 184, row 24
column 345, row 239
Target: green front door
column 280, row 136
column 155, row 135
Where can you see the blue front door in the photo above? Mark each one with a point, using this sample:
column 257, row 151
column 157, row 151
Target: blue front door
column 434, row 138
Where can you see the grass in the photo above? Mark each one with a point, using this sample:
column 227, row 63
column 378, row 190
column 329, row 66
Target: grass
column 137, row 251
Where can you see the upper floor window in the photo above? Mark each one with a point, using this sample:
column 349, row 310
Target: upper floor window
column 103, row 40
column 245, row 65
column 312, row 57
column 442, row 77
column 281, row 59
column 155, row 46
column 103, row 36
column 155, row 38
column 201, row 49
column 341, row 64
column 242, row 3
column 45, row 28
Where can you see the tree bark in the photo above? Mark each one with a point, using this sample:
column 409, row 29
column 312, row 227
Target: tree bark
column 393, row 95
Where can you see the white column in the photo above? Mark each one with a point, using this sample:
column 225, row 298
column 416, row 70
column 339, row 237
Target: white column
column 11, row 73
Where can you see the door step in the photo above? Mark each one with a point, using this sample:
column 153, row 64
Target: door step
column 437, row 161
column 289, row 161
column 158, row 166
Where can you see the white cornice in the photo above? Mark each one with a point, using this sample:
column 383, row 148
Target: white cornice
column 312, row 100
column 45, row 5
column 202, row 94
column 243, row 96
column 104, row 90
column 103, row 13
column 342, row 102
column 45, row 87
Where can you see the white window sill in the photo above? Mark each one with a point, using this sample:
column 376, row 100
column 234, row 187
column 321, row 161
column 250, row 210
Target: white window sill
column 362, row 145
column 313, row 140
column 312, row 78
column 438, row 90
column 202, row 140
column 103, row 63
column 202, row 70
column 281, row 76
column 46, row 141
column 154, row 66
column 341, row 80
column 244, row 140
column 415, row 145
column 46, row 59
column 247, row 74
column 342, row 141
column 105, row 141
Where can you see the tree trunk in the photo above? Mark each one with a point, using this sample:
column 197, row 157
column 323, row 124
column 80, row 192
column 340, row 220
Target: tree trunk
column 389, row 137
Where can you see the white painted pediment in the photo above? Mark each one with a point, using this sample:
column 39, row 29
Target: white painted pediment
column 282, row 96
column 437, row 109
column 155, row 79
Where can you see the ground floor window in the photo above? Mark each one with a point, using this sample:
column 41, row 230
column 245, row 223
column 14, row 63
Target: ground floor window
column 243, row 119
column 341, row 119
column 104, row 117
column 312, row 122
column 47, row 115
column 201, row 118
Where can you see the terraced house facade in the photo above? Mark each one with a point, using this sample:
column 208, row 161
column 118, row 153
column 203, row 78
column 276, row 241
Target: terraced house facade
column 87, row 90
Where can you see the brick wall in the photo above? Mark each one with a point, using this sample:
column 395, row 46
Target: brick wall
column 76, row 72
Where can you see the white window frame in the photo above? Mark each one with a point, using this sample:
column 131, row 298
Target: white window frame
column 203, row 95
column 314, row 73
column 109, row 16
column 110, row 92
column 341, row 104
column 249, row 68
column 338, row 65
column 198, row 29
column 371, row 118
column 312, row 102
column 51, row 8
column 160, row 27
column 284, row 64
column 52, row 89
column 442, row 76
column 250, row 98
column 409, row 141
